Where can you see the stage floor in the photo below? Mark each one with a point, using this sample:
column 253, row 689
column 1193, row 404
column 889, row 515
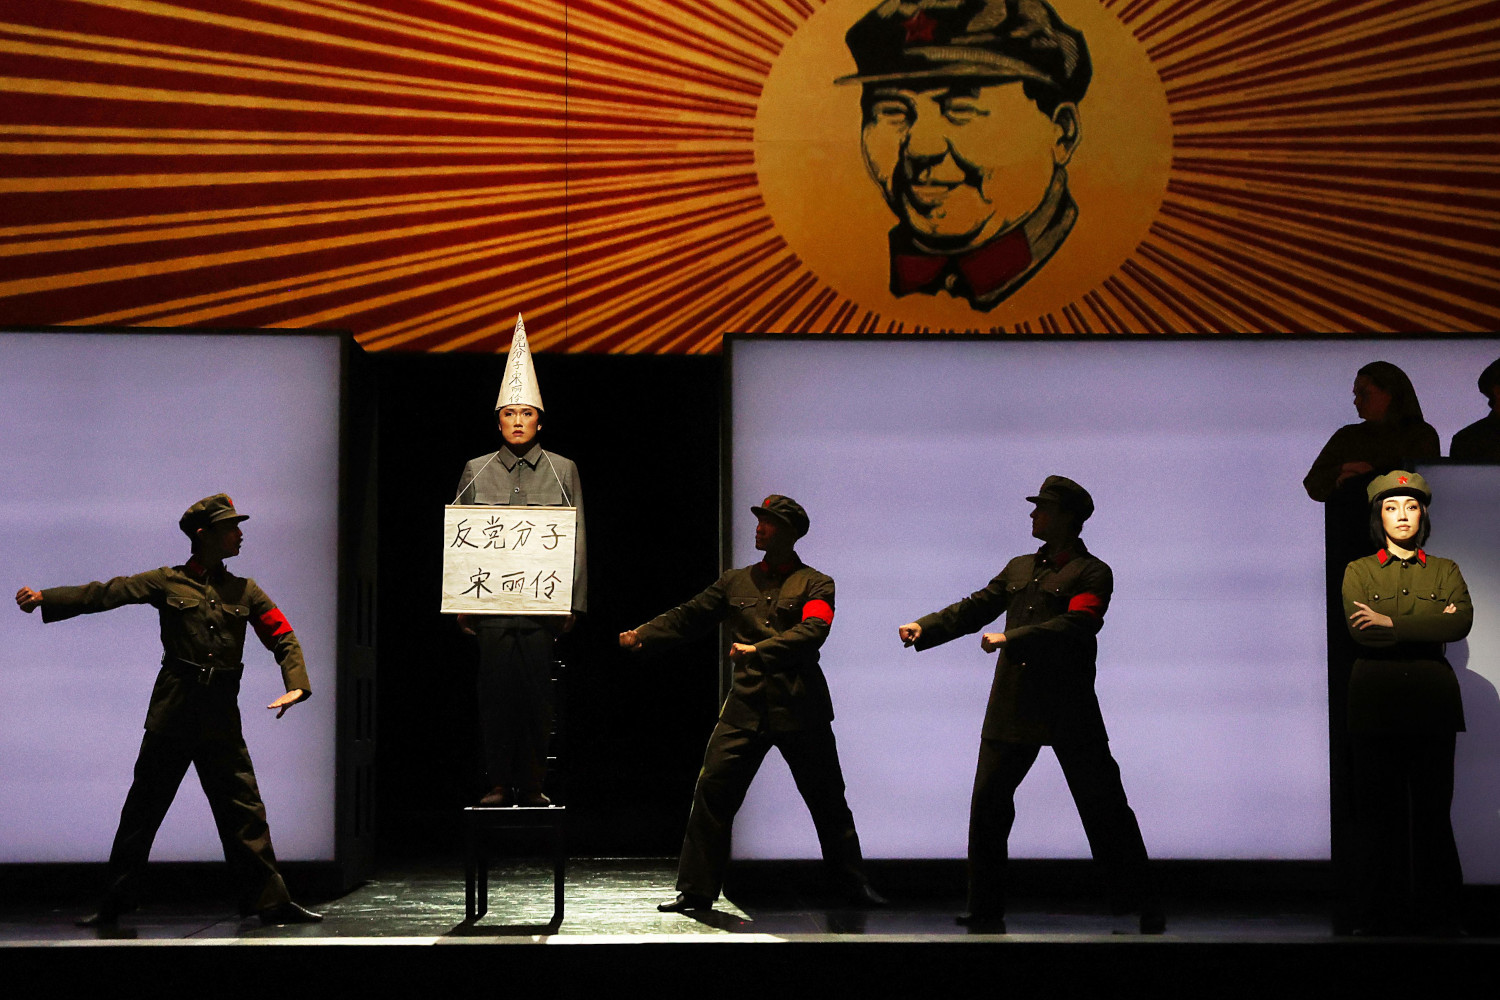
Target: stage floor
column 617, row 899
column 404, row 932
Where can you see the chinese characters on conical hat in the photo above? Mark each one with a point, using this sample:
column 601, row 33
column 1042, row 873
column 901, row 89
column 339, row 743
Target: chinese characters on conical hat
column 519, row 387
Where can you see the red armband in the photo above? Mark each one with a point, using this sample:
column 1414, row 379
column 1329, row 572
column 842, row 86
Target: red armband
column 271, row 624
column 818, row 609
column 1091, row 604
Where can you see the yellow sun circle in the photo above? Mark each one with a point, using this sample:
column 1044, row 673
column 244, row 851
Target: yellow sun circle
column 825, row 205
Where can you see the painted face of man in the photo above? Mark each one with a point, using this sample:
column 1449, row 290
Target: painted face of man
column 962, row 163
column 518, row 425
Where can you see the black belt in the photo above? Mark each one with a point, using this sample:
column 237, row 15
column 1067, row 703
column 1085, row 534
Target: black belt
column 203, row 673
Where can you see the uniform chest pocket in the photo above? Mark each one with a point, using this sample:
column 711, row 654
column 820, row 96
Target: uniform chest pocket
column 237, row 611
column 182, row 604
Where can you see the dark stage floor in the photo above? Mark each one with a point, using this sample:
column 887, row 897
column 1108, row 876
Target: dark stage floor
column 616, row 898
column 407, row 927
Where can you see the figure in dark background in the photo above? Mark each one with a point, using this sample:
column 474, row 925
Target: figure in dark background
column 194, row 716
column 516, row 651
column 1391, row 432
column 1043, row 694
column 1404, row 709
column 779, row 612
column 970, row 116
column 1480, row 441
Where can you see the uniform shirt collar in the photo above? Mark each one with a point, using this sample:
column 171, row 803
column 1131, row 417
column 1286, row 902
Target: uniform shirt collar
column 198, row 571
column 509, row 458
column 1063, row 553
column 1385, row 557
column 984, row 274
column 781, row 570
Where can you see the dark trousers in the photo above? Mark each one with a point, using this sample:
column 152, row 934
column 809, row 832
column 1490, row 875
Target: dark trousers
column 515, row 704
column 733, row 757
column 1408, row 874
column 228, row 779
column 1110, row 824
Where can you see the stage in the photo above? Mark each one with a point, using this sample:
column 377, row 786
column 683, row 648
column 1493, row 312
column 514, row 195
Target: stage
column 405, row 930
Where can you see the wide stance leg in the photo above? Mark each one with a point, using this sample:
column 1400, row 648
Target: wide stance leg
column 813, row 757
column 992, row 812
column 1114, row 833
column 729, row 764
column 228, row 779
column 159, row 767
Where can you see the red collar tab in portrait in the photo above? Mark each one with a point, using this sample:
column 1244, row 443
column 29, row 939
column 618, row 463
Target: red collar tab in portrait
column 985, row 269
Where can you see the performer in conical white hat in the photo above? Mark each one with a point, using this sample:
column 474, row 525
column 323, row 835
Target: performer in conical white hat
column 516, row 651
column 519, row 386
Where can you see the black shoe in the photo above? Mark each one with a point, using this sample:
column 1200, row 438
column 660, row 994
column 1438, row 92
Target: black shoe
column 289, row 913
column 108, row 915
column 1153, row 922
column 535, row 800
column 685, row 902
column 496, row 797
column 865, row 897
column 986, row 923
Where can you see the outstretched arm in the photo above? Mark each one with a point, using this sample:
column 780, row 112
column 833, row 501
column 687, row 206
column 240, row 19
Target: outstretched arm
column 686, row 621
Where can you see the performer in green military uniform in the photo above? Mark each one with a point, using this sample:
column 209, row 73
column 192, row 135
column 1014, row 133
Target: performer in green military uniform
column 779, row 612
column 1402, row 605
column 194, row 716
column 1043, row 695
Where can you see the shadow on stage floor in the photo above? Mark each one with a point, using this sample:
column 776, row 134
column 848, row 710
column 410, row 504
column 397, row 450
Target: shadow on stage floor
column 405, row 929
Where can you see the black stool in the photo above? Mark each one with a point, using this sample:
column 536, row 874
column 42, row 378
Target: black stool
column 483, row 823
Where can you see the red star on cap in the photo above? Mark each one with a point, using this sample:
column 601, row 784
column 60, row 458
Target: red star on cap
column 920, row 27
column 1402, row 480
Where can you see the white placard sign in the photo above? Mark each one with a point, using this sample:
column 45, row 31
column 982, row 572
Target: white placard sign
column 508, row 560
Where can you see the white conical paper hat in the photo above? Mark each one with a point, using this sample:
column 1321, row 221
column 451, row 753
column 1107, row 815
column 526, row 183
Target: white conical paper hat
column 519, row 387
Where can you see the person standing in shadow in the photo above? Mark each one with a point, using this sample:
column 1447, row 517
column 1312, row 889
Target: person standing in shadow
column 1480, row 441
column 1391, row 432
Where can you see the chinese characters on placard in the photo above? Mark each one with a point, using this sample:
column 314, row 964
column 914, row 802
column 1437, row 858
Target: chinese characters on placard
column 493, row 533
column 494, row 558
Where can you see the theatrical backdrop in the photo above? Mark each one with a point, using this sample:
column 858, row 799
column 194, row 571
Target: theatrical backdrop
column 646, row 177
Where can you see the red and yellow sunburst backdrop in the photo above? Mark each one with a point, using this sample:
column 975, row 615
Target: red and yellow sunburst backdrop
column 650, row 175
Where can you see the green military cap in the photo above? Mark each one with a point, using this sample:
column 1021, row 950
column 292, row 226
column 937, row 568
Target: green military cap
column 1066, row 494
column 786, row 510
column 978, row 40
column 1399, row 484
column 209, row 511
